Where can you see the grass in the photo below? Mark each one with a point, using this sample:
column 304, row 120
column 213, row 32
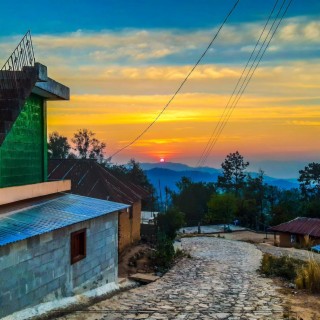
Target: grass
column 308, row 276
column 284, row 266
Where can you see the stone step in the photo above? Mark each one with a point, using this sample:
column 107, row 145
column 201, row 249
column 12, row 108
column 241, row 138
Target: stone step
column 144, row 277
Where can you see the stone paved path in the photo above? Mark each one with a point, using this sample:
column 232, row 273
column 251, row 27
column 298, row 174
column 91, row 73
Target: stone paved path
column 219, row 282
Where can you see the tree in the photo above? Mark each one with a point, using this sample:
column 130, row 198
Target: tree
column 137, row 175
column 192, row 199
column 310, row 181
column 58, row 146
column 170, row 222
column 233, row 176
column 287, row 207
column 247, row 213
column 255, row 190
column 87, row 146
column 132, row 172
column 221, row 208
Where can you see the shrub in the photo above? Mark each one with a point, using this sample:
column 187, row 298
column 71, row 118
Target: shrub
column 164, row 254
column 308, row 276
column 170, row 222
column 284, row 266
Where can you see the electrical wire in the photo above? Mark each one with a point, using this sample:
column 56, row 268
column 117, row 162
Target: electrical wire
column 181, row 85
column 204, row 152
column 221, row 125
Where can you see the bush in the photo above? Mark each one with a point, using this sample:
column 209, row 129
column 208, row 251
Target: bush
column 284, row 267
column 164, row 254
column 308, row 276
column 170, row 222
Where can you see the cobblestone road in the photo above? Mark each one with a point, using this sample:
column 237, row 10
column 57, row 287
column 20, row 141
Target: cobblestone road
column 219, row 282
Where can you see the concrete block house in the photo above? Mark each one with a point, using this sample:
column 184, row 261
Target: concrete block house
column 53, row 244
column 91, row 179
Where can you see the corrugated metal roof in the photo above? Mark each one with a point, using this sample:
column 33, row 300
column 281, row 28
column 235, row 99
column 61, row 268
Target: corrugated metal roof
column 90, row 179
column 300, row 225
column 46, row 216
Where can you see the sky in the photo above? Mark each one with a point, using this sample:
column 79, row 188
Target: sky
column 123, row 60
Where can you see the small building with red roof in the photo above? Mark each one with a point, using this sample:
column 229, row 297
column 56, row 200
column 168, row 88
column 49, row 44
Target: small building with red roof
column 300, row 231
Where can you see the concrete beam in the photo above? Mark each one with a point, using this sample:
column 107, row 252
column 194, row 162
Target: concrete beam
column 52, row 90
column 13, row 194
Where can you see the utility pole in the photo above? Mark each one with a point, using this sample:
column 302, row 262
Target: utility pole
column 161, row 200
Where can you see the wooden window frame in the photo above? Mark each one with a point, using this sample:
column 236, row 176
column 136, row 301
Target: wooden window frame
column 78, row 245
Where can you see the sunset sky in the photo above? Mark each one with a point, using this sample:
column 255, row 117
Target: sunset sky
column 123, row 60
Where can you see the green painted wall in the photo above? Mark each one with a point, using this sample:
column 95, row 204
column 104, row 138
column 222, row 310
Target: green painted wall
column 23, row 153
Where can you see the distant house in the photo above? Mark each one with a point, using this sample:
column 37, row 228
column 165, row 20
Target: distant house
column 89, row 178
column 148, row 217
column 52, row 244
column 299, row 231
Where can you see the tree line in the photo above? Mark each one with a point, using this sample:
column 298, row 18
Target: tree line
column 237, row 196
column 245, row 198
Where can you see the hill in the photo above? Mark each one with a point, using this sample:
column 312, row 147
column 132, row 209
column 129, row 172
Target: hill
column 166, row 174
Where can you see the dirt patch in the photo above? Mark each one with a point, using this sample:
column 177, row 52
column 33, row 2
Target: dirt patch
column 135, row 259
column 300, row 304
column 250, row 236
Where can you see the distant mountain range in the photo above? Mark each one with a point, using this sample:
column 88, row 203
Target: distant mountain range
column 166, row 174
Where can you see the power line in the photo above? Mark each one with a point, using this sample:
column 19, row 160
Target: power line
column 204, row 152
column 244, row 85
column 180, row 87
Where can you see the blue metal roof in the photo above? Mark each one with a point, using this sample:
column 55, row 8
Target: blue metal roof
column 49, row 215
column 316, row 248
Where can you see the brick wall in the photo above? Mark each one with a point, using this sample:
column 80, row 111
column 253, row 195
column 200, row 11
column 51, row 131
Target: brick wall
column 38, row 269
column 129, row 229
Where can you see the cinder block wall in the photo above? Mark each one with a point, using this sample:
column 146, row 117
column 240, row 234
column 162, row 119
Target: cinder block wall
column 129, row 229
column 38, row 269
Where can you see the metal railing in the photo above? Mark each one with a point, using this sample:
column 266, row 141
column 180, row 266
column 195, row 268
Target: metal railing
column 21, row 57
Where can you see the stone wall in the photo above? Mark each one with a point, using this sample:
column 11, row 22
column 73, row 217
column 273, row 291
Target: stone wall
column 38, row 269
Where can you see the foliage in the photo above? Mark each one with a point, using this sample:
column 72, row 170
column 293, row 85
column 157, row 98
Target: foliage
column 286, row 207
column 192, row 199
column 284, row 266
column 221, row 208
column 164, row 254
column 58, row 146
column 308, row 276
column 87, row 146
column 311, row 208
column 247, row 213
column 136, row 174
column 170, row 222
column 255, row 189
column 133, row 173
column 310, row 181
column 233, row 176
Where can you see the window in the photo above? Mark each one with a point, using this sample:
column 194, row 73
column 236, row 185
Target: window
column 78, row 245
column 131, row 213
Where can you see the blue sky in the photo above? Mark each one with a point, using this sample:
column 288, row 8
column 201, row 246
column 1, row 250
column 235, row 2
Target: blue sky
column 124, row 59
column 68, row 16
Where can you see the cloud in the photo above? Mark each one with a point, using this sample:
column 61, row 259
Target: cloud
column 137, row 47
